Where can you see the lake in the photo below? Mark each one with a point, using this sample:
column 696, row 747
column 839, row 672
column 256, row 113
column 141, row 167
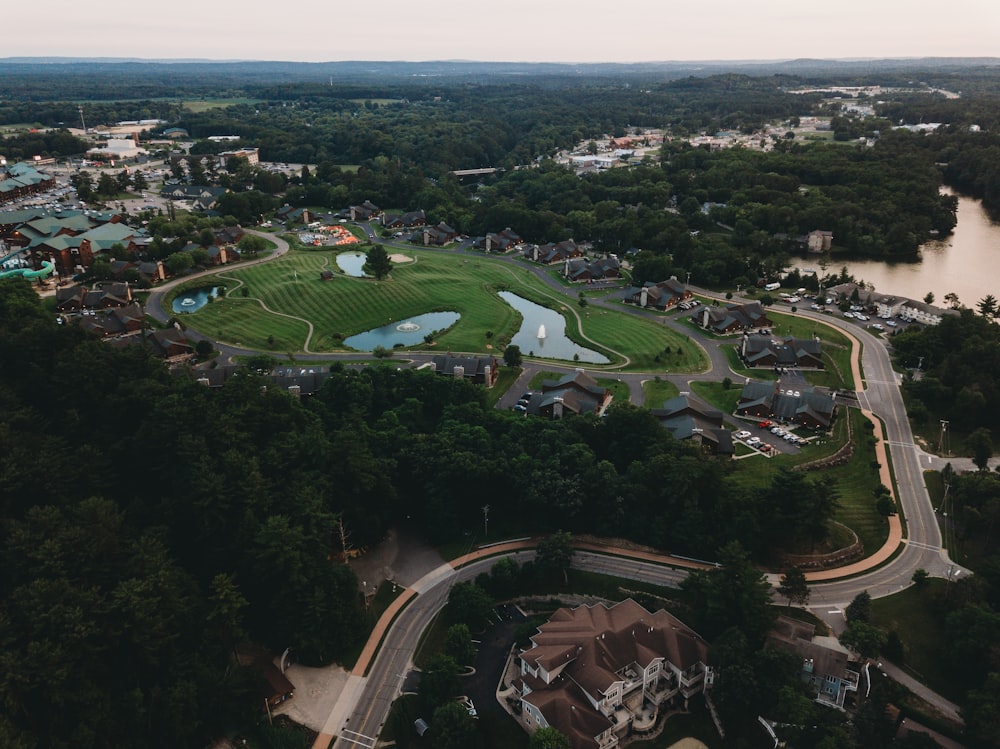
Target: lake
column 352, row 263
column 962, row 263
column 555, row 344
column 408, row 332
column 194, row 299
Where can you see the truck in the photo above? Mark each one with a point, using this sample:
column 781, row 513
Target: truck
column 773, row 286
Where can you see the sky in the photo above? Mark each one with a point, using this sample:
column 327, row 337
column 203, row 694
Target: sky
column 503, row 30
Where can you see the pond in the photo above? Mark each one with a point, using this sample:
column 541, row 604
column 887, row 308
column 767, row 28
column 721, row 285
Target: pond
column 193, row 300
column 352, row 263
column 408, row 332
column 543, row 333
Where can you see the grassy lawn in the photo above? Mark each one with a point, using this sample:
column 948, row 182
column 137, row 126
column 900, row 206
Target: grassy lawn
column 657, row 392
column 854, row 481
column 724, row 399
column 917, row 616
column 293, row 294
column 203, row 105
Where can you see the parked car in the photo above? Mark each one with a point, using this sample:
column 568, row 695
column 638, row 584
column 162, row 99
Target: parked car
column 742, row 435
column 765, row 424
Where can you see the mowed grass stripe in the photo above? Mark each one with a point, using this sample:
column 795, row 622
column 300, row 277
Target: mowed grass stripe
column 345, row 306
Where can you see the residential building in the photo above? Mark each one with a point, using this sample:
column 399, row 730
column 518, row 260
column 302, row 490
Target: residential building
column 439, row 235
column 580, row 270
column 600, row 673
column 819, row 240
column 500, row 242
column 732, row 318
column 662, row 295
column 252, row 155
column 826, row 664
column 811, row 407
column 22, row 179
column 409, row 220
column 482, row 370
column 687, row 419
column 203, row 197
column 911, row 310
column 575, row 393
column 765, row 351
column 554, row 253
column 364, row 212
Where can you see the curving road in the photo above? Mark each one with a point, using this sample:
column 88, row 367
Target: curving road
column 880, row 394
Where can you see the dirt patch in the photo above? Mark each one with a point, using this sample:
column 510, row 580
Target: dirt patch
column 403, row 557
column 316, row 692
column 688, row 743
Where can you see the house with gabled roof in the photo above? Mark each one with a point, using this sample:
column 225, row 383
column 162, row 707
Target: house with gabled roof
column 731, row 318
column 827, row 666
column 22, row 179
column 409, row 220
column 204, row 197
column 364, row 212
column 554, row 252
column 576, row 393
column 290, row 213
column 689, row 419
column 598, row 673
column 812, row 408
column 765, row 351
column 662, row 295
column 580, row 270
column 482, row 370
column 439, row 235
column 503, row 241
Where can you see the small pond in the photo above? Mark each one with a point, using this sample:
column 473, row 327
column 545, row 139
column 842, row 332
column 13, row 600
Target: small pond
column 194, row 299
column 408, row 332
column 352, row 263
column 543, row 333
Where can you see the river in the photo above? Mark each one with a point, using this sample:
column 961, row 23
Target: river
column 966, row 262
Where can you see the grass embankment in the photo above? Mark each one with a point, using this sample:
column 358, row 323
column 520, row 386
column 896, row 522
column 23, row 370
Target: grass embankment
column 293, row 293
column 854, row 482
column 657, row 392
column 917, row 615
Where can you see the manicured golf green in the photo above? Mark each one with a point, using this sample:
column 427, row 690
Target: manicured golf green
column 269, row 306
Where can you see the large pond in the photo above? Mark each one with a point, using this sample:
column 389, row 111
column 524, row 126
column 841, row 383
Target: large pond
column 194, row 299
column 543, row 333
column 406, row 332
column 352, row 263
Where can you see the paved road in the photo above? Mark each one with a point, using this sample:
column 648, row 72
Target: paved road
column 880, row 395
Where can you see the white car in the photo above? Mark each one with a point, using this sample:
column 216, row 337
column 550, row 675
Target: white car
column 742, row 435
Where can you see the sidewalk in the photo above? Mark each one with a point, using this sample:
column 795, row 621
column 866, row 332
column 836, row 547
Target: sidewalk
column 947, row 708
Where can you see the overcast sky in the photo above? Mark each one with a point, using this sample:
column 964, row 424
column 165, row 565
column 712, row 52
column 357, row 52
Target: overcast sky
column 507, row 30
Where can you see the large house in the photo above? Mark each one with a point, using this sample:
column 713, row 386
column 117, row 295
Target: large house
column 765, row 351
column 662, row 295
column 580, row 270
column 22, row 179
column 482, row 370
column 409, row 220
column 686, row 419
column 911, row 310
column 439, row 235
column 364, row 212
column 553, row 253
column 599, row 673
column 503, row 241
column 203, row 197
column 573, row 394
column 811, row 408
column 732, row 318
column 826, row 664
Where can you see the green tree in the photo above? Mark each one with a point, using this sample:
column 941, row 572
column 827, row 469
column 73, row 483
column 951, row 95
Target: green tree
column 555, row 554
column 107, row 186
column 139, row 181
column 377, row 263
column 987, row 306
column 794, row 587
column 454, row 728
column 458, row 644
column 124, row 180
column 179, row 263
column 470, row 605
column 251, row 245
column 981, row 443
column 982, row 708
column 439, row 682
column 859, row 609
column 865, row 639
column 929, row 297
column 512, row 356
column 921, row 578
column 735, row 594
column 548, row 738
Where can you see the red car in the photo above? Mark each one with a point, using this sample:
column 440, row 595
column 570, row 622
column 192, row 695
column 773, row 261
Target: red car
column 764, row 424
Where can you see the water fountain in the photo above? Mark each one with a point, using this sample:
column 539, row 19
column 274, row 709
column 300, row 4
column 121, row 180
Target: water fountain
column 541, row 331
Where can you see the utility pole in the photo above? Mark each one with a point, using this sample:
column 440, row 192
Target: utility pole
column 943, row 441
column 486, row 520
column 82, row 121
